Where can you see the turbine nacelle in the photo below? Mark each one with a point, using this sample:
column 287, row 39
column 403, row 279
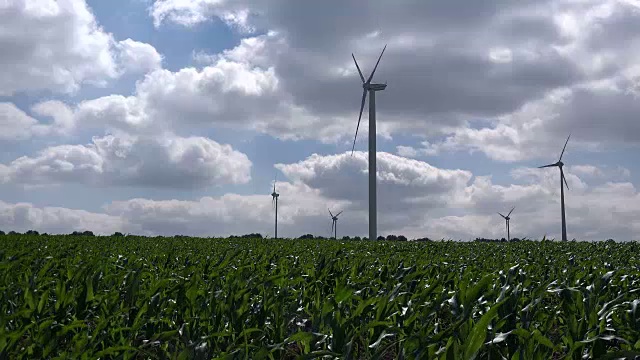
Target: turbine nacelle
column 374, row 87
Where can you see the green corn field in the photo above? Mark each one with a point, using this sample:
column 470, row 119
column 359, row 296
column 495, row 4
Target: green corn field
column 76, row 297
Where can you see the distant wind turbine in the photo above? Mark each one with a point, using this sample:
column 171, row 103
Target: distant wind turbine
column 507, row 218
column 334, row 223
column 560, row 164
column 370, row 88
column 274, row 202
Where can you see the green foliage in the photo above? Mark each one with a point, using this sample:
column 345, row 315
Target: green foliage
column 128, row 297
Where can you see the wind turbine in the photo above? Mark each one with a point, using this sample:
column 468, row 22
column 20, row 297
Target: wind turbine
column 562, row 179
column 334, row 224
column 507, row 218
column 274, row 202
column 367, row 86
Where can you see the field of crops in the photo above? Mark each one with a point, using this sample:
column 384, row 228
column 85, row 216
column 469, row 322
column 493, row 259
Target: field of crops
column 180, row 298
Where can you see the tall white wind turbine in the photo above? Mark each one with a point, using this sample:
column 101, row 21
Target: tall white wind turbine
column 560, row 164
column 334, row 224
column 370, row 88
column 274, row 202
column 507, row 218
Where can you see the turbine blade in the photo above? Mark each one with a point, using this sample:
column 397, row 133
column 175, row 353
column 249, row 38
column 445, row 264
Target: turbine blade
column 374, row 69
column 564, row 178
column 546, row 166
column 338, row 214
column 511, row 211
column 565, row 146
column 364, row 97
column 275, row 179
column 332, row 226
column 359, row 72
column 502, row 215
column 330, row 213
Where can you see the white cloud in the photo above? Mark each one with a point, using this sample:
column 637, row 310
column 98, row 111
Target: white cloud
column 607, row 209
column 14, row 123
column 400, row 179
column 406, row 151
column 508, row 79
column 24, row 216
column 232, row 92
column 170, row 161
column 587, row 170
column 59, row 46
column 536, row 70
column 301, row 210
column 193, row 12
column 136, row 56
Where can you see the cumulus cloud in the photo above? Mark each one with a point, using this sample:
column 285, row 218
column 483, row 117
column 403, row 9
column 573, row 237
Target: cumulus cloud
column 58, row 45
column 536, row 70
column 457, row 207
column 190, row 13
column 14, row 123
column 508, row 79
column 24, row 216
column 172, row 162
column 400, row 180
column 230, row 93
column 135, row 56
column 301, row 209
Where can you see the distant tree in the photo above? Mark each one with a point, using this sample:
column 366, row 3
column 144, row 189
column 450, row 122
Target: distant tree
column 402, row 238
column 380, row 237
column 1, row 232
column 610, row 241
column 392, row 238
column 346, row 238
column 515, row 239
column 357, row 238
column 84, row 233
column 32, row 232
column 13, row 233
column 118, row 234
column 252, row 236
column 424, row 239
column 44, row 234
column 306, row 236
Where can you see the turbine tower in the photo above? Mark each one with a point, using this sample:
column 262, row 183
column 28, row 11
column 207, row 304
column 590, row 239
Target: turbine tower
column 274, row 201
column 334, row 224
column 560, row 164
column 370, row 88
column 507, row 218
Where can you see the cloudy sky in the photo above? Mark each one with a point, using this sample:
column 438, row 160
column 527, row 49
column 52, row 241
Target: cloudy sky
column 173, row 117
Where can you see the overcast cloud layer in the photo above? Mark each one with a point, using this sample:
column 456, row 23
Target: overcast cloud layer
column 501, row 80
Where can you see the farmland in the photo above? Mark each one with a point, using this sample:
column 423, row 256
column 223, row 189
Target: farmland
column 186, row 298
